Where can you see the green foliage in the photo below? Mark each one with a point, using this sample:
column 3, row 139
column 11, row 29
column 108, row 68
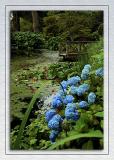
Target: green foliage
column 88, row 145
column 27, row 40
column 26, row 77
column 71, row 25
column 52, row 43
column 96, row 54
column 77, row 25
column 62, row 70
column 35, row 135
column 25, row 25
column 21, row 130
column 56, row 27
column 22, row 88
column 73, row 136
column 51, row 28
column 20, row 98
column 102, row 123
column 37, row 132
column 99, row 114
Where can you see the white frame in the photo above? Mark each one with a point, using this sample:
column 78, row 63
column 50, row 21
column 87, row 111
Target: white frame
column 24, row 6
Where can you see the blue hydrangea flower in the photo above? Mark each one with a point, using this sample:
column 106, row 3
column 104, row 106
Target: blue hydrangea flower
column 87, row 66
column 53, row 124
column 85, row 87
column 53, row 135
column 73, row 80
column 91, row 98
column 68, row 99
column 62, row 94
column 71, row 115
column 57, row 101
column 85, row 71
column 99, row 72
column 49, row 114
column 64, row 84
column 82, row 89
column 71, row 107
column 58, row 96
column 73, row 90
column 58, row 118
column 85, row 74
column 83, row 104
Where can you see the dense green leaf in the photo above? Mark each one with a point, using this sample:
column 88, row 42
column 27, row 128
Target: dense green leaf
column 99, row 114
column 25, row 118
column 88, row 145
column 102, row 124
column 92, row 134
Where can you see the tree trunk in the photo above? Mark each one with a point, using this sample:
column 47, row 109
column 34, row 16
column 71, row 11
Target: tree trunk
column 16, row 22
column 35, row 20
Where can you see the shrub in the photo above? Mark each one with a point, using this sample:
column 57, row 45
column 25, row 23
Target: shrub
column 96, row 54
column 52, row 43
column 27, row 40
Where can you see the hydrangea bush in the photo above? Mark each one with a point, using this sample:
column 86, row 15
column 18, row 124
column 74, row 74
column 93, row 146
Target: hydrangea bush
column 77, row 96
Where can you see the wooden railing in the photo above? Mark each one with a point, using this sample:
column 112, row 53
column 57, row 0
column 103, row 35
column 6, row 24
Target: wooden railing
column 74, row 49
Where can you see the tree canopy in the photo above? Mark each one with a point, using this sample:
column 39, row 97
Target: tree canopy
column 75, row 25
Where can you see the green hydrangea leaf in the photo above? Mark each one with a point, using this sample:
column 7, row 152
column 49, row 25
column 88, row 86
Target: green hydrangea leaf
column 99, row 114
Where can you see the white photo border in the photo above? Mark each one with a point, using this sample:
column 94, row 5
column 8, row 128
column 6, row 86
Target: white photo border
column 104, row 8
